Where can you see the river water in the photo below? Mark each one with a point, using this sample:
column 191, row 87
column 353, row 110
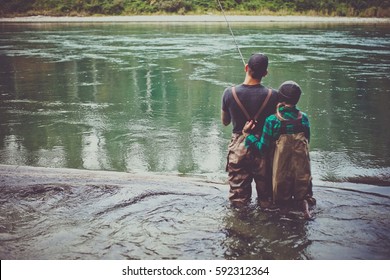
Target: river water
column 146, row 99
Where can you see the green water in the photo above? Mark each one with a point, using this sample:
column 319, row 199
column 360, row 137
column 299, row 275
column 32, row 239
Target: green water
column 147, row 98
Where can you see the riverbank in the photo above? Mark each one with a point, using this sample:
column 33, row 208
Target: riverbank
column 21, row 176
column 195, row 19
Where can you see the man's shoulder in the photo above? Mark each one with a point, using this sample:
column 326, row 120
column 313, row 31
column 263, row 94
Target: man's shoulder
column 228, row 91
column 259, row 89
column 274, row 93
column 274, row 97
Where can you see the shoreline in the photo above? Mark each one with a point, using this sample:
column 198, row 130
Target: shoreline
column 194, row 19
column 23, row 176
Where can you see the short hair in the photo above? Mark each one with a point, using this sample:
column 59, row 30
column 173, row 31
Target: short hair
column 258, row 64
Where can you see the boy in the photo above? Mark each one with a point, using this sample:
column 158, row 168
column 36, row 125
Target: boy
column 288, row 133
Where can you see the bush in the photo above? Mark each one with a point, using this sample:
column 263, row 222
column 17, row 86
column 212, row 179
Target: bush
column 114, row 7
column 173, row 6
column 15, row 7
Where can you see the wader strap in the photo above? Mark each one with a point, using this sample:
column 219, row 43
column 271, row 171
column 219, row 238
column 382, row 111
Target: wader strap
column 243, row 108
column 297, row 126
column 248, row 117
column 264, row 104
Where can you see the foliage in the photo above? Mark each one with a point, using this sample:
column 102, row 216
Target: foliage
column 15, row 6
column 122, row 7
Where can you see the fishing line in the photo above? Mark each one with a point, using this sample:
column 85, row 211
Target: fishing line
column 231, row 32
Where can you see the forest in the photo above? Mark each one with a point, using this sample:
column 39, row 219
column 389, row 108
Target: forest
column 347, row 8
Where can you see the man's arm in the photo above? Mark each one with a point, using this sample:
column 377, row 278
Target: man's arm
column 225, row 117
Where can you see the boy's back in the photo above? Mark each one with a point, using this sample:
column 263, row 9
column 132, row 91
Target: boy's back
column 286, row 134
column 291, row 177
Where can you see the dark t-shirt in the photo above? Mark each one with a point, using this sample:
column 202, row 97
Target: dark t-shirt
column 252, row 97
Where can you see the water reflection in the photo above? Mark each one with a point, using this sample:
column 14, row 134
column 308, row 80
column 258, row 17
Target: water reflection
column 147, row 98
column 254, row 234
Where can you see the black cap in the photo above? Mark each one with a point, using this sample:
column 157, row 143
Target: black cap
column 258, row 63
column 289, row 92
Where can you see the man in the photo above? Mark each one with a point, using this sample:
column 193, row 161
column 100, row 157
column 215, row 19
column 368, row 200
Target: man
column 242, row 103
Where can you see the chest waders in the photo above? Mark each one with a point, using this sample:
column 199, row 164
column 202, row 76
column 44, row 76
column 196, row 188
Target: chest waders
column 243, row 166
column 291, row 174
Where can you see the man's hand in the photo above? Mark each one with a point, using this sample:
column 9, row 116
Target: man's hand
column 248, row 128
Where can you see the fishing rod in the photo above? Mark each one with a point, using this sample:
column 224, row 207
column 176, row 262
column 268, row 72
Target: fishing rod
column 231, row 32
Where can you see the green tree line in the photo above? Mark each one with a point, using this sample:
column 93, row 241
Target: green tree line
column 366, row 8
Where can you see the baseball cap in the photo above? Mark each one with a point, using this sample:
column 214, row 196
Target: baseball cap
column 289, row 92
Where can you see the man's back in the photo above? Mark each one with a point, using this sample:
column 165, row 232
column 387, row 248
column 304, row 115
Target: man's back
column 252, row 97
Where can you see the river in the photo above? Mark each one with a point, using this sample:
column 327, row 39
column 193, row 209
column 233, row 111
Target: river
column 145, row 99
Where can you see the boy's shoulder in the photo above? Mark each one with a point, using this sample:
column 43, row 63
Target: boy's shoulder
column 272, row 118
column 304, row 115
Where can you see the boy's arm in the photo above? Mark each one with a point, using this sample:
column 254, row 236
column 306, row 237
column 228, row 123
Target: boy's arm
column 265, row 140
column 306, row 123
column 252, row 142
